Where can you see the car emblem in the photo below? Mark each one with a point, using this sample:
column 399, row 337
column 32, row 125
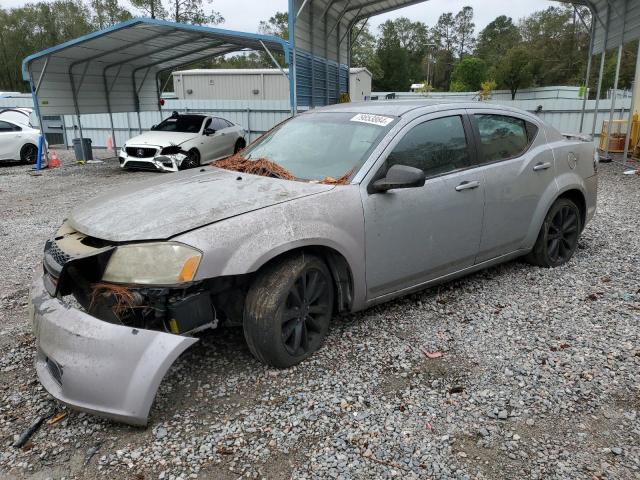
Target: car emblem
column 140, row 152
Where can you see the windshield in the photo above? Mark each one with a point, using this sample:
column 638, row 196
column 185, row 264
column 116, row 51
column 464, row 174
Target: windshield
column 182, row 124
column 321, row 146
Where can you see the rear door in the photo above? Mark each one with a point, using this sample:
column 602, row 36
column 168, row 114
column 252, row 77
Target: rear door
column 518, row 168
column 225, row 137
column 418, row 234
column 10, row 141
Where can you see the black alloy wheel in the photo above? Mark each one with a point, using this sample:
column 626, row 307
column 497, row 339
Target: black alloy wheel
column 558, row 237
column 191, row 161
column 28, row 154
column 562, row 235
column 306, row 310
column 288, row 309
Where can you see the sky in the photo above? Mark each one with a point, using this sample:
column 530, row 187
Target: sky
column 237, row 16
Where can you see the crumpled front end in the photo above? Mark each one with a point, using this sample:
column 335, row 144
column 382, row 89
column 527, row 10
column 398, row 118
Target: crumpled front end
column 99, row 367
column 168, row 159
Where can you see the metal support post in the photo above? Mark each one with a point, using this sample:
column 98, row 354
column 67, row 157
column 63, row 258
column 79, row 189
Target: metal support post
column 36, row 105
column 601, row 74
column 634, row 98
column 613, row 102
column 588, row 76
column 108, row 100
column 77, row 109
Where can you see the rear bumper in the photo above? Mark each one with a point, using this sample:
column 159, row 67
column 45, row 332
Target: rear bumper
column 591, row 186
column 94, row 366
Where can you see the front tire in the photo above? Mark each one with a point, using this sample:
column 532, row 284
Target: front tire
column 558, row 237
column 28, row 154
column 192, row 160
column 240, row 144
column 288, row 309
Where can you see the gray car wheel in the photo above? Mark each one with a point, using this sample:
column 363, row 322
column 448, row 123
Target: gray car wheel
column 288, row 310
column 28, row 154
column 240, row 144
column 192, row 160
column 558, row 237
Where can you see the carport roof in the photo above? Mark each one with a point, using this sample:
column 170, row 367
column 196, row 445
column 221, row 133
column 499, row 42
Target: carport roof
column 124, row 59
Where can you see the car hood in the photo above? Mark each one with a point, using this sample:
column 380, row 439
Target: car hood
column 161, row 139
column 172, row 204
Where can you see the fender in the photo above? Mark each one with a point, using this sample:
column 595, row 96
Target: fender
column 563, row 183
column 244, row 243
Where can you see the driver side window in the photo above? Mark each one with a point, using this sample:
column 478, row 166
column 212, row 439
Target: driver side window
column 437, row 146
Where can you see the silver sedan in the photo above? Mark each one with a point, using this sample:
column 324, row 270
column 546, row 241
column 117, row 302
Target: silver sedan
column 333, row 211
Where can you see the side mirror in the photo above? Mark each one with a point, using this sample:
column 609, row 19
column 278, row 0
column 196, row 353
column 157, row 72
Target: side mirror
column 153, row 127
column 208, row 131
column 399, row 176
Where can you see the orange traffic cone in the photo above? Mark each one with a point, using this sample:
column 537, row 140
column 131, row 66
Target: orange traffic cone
column 109, row 143
column 54, row 161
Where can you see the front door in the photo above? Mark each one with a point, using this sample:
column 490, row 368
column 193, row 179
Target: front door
column 419, row 234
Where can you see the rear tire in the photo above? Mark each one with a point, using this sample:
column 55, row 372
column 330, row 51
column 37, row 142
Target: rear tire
column 240, row 144
column 28, row 154
column 288, row 309
column 558, row 237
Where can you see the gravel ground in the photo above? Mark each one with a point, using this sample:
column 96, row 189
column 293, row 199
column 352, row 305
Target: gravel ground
column 539, row 373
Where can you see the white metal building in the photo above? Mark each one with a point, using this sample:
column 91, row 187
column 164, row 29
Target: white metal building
column 251, row 84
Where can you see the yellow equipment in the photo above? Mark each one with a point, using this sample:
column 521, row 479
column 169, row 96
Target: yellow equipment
column 618, row 134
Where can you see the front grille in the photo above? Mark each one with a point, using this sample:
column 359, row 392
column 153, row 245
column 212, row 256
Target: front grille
column 58, row 255
column 55, row 370
column 140, row 165
column 141, row 152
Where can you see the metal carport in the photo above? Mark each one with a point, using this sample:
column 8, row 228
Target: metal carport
column 118, row 69
column 321, row 41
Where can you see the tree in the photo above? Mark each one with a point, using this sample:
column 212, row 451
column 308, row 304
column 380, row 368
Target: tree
column 363, row 49
column 463, row 30
column 444, row 33
column 469, row 74
column 496, row 39
column 514, row 71
column 558, row 44
column 34, row 27
column 108, row 12
column 277, row 25
column 393, row 61
column 150, row 8
column 194, row 12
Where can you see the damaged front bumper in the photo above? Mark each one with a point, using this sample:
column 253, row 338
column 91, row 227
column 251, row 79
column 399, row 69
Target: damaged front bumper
column 99, row 367
column 160, row 163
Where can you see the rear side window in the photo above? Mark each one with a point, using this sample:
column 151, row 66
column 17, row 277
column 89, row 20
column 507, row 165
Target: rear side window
column 7, row 127
column 503, row 137
column 219, row 124
column 436, row 147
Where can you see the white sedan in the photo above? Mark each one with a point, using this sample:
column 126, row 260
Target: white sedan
column 18, row 141
column 182, row 141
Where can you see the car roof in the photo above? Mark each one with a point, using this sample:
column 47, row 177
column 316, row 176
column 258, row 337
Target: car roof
column 399, row 108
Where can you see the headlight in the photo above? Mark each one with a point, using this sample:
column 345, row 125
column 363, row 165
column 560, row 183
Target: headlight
column 164, row 263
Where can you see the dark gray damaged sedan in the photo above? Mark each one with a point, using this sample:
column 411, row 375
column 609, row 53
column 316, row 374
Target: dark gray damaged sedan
column 376, row 200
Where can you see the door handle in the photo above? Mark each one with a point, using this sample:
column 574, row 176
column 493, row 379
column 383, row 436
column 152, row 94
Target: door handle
column 541, row 166
column 467, row 185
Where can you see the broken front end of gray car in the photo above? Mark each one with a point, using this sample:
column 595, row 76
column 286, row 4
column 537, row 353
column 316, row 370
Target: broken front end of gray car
column 108, row 330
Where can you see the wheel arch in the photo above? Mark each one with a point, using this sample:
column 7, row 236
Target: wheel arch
column 337, row 263
column 577, row 197
column 26, row 144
